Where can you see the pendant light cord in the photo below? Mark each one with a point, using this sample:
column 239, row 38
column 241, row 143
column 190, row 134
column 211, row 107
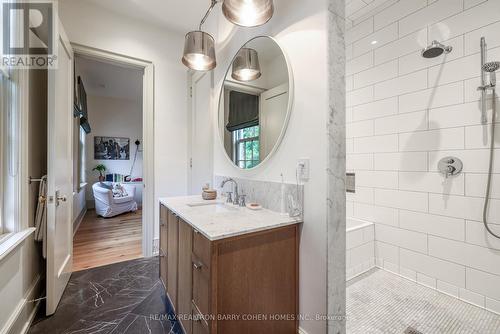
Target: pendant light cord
column 212, row 5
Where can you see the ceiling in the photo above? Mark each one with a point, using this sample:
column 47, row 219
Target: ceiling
column 178, row 15
column 109, row 80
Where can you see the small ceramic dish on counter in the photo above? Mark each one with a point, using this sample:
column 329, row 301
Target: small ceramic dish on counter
column 254, row 206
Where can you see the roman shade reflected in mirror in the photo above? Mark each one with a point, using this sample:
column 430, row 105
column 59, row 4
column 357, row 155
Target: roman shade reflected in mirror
column 243, row 111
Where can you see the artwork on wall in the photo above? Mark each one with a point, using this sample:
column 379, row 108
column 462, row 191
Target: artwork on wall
column 111, row 148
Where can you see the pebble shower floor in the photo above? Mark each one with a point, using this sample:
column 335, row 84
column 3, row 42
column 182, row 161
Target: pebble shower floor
column 381, row 302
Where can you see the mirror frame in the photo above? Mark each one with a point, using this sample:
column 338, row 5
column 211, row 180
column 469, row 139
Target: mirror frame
column 291, row 95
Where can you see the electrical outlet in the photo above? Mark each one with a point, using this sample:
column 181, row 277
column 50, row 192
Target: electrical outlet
column 303, row 168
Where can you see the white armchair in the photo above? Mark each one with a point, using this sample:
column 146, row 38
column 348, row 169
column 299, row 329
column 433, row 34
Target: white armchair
column 108, row 206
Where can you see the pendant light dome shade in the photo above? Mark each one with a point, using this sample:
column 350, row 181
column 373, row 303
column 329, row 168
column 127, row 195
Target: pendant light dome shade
column 199, row 51
column 248, row 13
column 246, row 65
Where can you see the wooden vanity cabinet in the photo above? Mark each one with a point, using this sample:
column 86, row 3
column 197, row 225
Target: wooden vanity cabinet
column 244, row 284
column 163, row 245
column 172, row 257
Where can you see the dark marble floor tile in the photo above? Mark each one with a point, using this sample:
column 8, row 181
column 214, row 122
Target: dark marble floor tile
column 139, row 324
column 63, row 319
column 153, row 304
column 100, row 273
column 90, row 327
column 123, row 297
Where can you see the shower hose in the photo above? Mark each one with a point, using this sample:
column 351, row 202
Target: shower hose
column 490, row 170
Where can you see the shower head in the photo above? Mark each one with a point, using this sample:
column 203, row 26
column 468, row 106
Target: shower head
column 435, row 50
column 491, row 67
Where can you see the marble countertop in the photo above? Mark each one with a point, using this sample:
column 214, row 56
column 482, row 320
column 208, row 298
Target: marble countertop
column 218, row 220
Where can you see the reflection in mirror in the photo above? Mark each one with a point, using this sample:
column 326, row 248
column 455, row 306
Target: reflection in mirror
column 254, row 102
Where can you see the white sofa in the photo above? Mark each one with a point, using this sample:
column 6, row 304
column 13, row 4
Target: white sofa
column 108, row 206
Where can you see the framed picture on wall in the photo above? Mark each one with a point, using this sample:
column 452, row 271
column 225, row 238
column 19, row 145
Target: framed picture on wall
column 111, row 148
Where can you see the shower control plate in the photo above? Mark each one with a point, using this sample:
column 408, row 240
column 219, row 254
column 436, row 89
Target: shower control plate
column 450, row 166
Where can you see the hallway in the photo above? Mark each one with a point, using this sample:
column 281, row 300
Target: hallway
column 102, row 241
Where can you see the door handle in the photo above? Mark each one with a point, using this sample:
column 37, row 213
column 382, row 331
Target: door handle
column 60, row 198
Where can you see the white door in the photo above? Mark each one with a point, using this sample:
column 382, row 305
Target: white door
column 201, row 133
column 273, row 109
column 60, row 174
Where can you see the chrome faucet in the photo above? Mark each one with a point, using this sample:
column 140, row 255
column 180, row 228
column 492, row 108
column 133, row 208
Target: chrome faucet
column 236, row 198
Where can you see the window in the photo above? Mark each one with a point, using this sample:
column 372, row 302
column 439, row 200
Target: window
column 79, row 136
column 8, row 153
column 2, row 143
column 247, row 147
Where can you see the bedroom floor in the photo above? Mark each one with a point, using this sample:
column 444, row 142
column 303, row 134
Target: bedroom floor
column 379, row 302
column 102, row 241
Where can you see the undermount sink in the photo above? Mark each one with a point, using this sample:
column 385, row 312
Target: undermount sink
column 216, row 206
column 195, row 204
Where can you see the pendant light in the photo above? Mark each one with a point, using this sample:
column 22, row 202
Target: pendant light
column 248, row 13
column 199, row 51
column 246, row 65
column 199, row 47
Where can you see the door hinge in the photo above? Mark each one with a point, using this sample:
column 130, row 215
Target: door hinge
column 191, row 91
column 191, row 162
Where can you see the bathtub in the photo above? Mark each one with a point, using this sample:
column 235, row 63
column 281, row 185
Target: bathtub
column 360, row 247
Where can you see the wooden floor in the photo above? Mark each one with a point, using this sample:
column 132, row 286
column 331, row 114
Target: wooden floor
column 99, row 241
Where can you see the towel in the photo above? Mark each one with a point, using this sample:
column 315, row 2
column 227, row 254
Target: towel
column 41, row 217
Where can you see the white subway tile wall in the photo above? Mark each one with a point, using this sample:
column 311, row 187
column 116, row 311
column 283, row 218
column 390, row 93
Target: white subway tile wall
column 405, row 114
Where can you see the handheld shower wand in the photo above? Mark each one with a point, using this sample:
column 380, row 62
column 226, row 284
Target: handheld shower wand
column 490, row 68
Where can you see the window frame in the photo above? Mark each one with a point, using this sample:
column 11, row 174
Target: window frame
column 14, row 120
column 236, row 144
column 3, row 76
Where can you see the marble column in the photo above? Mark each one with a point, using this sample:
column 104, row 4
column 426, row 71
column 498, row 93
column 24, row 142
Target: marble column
column 336, row 202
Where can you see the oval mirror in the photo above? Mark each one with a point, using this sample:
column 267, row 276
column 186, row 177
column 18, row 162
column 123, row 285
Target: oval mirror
column 255, row 102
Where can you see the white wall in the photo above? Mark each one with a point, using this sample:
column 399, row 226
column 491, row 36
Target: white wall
column 113, row 117
column 404, row 114
column 96, row 27
column 301, row 29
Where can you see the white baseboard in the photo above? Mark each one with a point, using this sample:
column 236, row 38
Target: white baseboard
column 24, row 312
column 78, row 221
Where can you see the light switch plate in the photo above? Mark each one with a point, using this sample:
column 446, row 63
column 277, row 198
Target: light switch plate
column 303, row 167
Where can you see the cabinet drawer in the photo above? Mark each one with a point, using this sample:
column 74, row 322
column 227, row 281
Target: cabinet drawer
column 201, row 248
column 199, row 325
column 201, row 285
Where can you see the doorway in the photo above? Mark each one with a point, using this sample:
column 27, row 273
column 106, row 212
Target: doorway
column 200, row 145
column 114, row 159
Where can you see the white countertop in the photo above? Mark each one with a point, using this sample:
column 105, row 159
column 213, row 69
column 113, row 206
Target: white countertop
column 218, row 220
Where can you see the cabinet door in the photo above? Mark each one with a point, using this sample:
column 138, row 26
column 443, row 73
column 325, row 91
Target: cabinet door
column 163, row 228
column 163, row 268
column 200, row 326
column 172, row 256
column 185, row 275
column 163, row 245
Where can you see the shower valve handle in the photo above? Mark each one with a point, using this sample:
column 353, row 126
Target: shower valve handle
column 450, row 166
